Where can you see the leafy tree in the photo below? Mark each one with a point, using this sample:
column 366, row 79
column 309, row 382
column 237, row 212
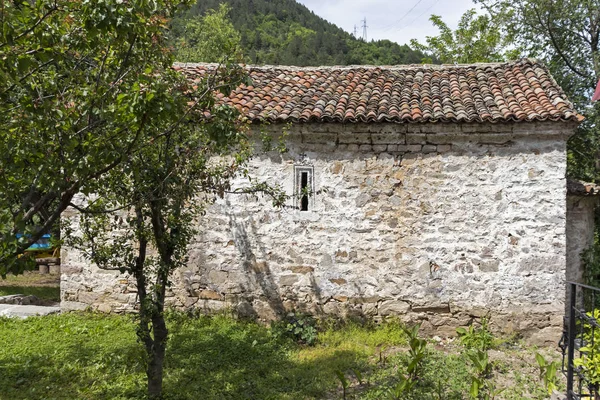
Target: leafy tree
column 566, row 35
column 155, row 200
column 210, row 38
column 83, row 84
column 478, row 38
column 90, row 105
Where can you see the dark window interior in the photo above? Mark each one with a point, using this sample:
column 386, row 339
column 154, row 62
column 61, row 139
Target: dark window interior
column 303, row 190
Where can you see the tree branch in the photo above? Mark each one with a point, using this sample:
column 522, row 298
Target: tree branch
column 556, row 45
column 31, row 29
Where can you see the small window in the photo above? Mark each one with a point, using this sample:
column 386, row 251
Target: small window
column 303, row 187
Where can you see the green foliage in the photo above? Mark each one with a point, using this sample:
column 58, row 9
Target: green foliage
column 589, row 361
column 211, row 38
column 91, row 356
column 95, row 356
column 564, row 34
column 476, row 338
column 416, row 353
column 41, row 292
column 477, row 342
column 298, row 327
column 548, row 370
column 82, row 85
column 478, row 38
column 286, row 32
column 590, row 259
column 401, row 389
column 343, row 381
column 482, row 387
column 45, row 287
column 166, row 186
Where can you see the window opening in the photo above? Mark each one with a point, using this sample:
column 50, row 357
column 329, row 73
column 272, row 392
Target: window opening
column 304, row 191
column 303, row 187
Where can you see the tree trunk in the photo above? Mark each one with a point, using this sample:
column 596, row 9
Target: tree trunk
column 157, row 358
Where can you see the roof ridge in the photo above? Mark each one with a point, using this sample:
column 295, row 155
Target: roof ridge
column 524, row 60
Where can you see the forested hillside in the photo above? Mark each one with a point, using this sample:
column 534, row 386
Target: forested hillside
column 287, row 33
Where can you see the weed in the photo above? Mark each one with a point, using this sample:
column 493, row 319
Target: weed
column 480, row 384
column 358, row 374
column 416, row 352
column 403, row 387
column 342, row 378
column 476, row 338
column 299, row 327
column 548, row 370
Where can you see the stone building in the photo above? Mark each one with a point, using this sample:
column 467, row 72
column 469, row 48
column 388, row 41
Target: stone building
column 438, row 194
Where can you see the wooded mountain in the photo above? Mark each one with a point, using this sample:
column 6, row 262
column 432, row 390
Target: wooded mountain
column 284, row 32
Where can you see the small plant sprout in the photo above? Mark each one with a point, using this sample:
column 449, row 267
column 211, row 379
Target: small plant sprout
column 342, row 378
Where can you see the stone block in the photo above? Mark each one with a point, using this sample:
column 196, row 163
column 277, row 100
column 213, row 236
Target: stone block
column 388, row 138
column 288, row 280
column 302, row 269
column 544, row 337
column 105, row 308
column 341, row 299
column 265, row 311
column 355, row 138
column 489, row 265
column 393, row 307
column 209, row 295
column 88, row 297
column 433, row 307
column 218, row 277
column 319, row 138
column 72, row 306
column 416, row 138
column 369, row 309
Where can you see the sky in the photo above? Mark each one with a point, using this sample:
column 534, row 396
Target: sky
column 396, row 20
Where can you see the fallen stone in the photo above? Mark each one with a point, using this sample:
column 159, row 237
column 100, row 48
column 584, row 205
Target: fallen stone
column 20, row 311
column 558, row 396
column 20, row 299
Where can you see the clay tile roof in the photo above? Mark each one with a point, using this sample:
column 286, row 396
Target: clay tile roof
column 580, row 188
column 497, row 92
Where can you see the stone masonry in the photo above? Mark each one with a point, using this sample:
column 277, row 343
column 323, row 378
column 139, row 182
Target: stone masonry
column 433, row 223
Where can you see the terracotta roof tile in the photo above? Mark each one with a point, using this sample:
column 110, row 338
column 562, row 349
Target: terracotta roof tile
column 498, row 92
column 580, row 188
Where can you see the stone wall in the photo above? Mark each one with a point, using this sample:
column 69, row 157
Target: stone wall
column 436, row 223
column 580, row 232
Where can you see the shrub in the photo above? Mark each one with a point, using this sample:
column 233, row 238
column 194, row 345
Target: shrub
column 298, row 327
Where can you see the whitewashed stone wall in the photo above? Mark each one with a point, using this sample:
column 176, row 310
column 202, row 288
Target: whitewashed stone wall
column 437, row 223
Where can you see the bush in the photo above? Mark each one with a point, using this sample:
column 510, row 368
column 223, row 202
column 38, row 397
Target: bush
column 300, row 328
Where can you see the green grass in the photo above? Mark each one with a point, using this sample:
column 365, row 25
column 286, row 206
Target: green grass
column 96, row 356
column 46, row 287
column 92, row 356
column 42, row 292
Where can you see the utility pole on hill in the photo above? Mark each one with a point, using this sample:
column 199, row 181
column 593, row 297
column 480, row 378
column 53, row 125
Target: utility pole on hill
column 364, row 26
column 355, row 30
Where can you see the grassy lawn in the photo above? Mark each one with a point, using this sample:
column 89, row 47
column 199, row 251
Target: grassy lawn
column 94, row 356
column 44, row 286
